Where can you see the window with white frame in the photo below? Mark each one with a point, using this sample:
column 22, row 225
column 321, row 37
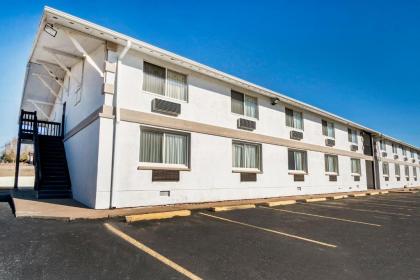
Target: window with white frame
column 404, row 151
column 160, row 80
column 294, row 119
column 352, row 135
column 246, row 156
column 407, row 171
column 328, row 129
column 331, row 164
column 412, row 154
column 382, row 145
column 355, row 166
column 385, row 169
column 164, row 148
column 297, row 161
column 397, row 170
column 243, row 104
column 414, row 172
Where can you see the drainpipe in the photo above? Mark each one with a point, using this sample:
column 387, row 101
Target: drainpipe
column 116, row 125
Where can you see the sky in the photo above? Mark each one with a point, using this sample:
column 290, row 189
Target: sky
column 357, row 59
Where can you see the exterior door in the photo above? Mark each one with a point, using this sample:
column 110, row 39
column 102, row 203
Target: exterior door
column 370, row 174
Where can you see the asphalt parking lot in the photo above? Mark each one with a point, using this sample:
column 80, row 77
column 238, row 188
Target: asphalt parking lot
column 375, row 237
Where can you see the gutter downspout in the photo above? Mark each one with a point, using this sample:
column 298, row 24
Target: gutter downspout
column 116, row 123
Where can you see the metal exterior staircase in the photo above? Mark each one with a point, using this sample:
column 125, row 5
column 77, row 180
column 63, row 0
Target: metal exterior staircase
column 52, row 179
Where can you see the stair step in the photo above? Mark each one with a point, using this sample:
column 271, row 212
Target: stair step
column 48, row 194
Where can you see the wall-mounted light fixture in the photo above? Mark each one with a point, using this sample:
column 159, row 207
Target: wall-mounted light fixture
column 274, row 101
column 49, row 29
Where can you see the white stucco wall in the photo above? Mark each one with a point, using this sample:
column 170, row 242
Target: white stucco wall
column 211, row 177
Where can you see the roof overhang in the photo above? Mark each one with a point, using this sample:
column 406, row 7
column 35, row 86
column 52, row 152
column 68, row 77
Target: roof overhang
column 90, row 34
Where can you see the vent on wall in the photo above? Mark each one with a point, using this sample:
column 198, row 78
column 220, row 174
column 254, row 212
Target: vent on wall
column 386, row 178
column 356, row 178
column 296, row 135
column 166, row 107
column 333, row 178
column 299, row 177
column 330, row 142
column 405, row 158
column 165, row 175
column 248, row 177
column 413, row 160
column 246, row 124
column 354, row 148
column 165, row 193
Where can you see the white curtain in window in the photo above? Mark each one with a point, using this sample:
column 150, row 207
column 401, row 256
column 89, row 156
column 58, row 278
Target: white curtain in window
column 175, row 149
column 153, row 78
column 176, row 85
column 298, row 158
column 331, row 164
column 151, row 146
column 297, row 120
column 237, row 151
column 330, row 130
column 250, row 156
column 355, row 166
column 354, row 136
column 251, row 107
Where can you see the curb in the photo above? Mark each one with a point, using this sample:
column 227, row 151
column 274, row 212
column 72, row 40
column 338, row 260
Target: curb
column 233, row 207
column 157, row 216
column 313, row 199
column 278, row 203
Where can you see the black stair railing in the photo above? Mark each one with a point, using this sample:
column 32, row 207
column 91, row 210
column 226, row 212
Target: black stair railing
column 30, row 128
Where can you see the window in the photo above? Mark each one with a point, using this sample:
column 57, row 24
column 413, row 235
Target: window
column 394, row 149
column 382, row 145
column 294, row 119
column 243, row 104
column 157, row 147
column 412, row 154
column 404, row 151
column 165, row 82
column 246, row 156
column 352, row 135
column 407, row 171
column 328, row 129
column 385, row 168
column 397, row 170
column 355, row 166
column 297, row 161
column 331, row 164
column 414, row 172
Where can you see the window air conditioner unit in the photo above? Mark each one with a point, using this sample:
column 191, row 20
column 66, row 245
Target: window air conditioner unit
column 166, row 107
column 384, row 154
column 395, row 156
column 330, row 142
column 354, row 148
column 246, row 124
column 296, row 135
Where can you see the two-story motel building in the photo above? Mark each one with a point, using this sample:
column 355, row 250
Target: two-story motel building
column 143, row 126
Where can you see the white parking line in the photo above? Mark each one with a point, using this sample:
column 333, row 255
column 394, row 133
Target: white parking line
column 151, row 252
column 269, row 230
column 360, row 210
column 321, row 216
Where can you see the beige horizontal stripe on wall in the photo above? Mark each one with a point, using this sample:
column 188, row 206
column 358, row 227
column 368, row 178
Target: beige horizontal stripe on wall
column 191, row 126
column 103, row 111
column 400, row 162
